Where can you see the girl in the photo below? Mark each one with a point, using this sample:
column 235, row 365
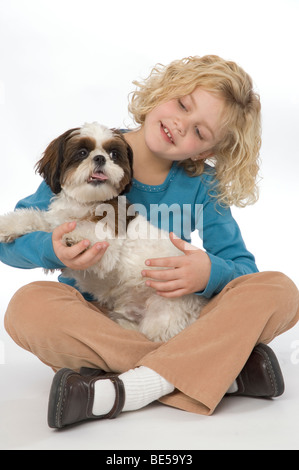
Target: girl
column 193, row 111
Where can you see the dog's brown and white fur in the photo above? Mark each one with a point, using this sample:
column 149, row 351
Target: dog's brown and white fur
column 87, row 168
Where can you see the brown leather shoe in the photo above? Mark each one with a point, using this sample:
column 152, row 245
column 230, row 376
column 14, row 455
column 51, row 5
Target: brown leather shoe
column 261, row 375
column 72, row 394
column 89, row 371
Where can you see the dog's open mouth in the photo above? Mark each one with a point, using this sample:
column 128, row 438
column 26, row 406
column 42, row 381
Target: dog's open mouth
column 97, row 177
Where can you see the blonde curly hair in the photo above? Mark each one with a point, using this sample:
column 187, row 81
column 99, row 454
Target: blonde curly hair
column 236, row 156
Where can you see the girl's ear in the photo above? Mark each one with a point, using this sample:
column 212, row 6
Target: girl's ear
column 207, row 154
column 204, row 155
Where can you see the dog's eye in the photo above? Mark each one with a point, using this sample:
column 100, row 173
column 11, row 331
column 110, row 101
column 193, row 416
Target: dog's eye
column 113, row 155
column 83, row 153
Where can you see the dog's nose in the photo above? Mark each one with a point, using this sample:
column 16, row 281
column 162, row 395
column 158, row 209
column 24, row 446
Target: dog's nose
column 99, row 159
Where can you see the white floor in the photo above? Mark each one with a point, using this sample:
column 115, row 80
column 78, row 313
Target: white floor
column 238, row 423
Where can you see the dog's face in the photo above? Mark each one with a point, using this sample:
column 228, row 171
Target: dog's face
column 91, row 163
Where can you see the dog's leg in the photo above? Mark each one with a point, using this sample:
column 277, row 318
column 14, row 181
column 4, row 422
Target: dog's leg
column 165, row 318
column 21, row 222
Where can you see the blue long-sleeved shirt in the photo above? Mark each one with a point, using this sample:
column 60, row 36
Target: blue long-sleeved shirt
column 192, row 207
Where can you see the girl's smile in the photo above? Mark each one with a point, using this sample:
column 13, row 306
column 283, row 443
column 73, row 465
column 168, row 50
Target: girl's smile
column 166, row 134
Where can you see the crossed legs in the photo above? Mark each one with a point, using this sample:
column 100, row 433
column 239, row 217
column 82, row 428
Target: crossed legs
column 54, row 322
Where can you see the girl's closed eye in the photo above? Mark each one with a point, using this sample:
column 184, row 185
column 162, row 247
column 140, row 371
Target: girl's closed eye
column 198, row 133
column 181, row 104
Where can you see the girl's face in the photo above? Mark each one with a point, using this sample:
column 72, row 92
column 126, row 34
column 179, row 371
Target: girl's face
column 188, row 127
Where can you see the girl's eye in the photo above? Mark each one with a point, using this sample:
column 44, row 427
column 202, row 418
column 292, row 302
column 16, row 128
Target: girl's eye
column 182, row 105
column 198, row 134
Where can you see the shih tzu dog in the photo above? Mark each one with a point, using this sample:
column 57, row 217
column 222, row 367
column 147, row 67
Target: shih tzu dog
column 89, row 169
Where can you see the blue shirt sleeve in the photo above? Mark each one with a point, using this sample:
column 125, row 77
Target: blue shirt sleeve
column 34, row 250
column 225, row 247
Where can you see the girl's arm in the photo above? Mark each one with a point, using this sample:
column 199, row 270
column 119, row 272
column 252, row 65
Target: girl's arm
column 34, row 250
column 226, row 249
column 205, row 273
column 46, row 250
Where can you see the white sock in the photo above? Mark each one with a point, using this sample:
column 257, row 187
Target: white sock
column 142, row 386
column 104, row 397
column 233, row 388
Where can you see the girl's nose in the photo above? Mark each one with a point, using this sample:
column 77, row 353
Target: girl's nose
column 180, row 126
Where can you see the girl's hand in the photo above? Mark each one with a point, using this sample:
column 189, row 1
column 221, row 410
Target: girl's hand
column 76, row 257
column 185, row 274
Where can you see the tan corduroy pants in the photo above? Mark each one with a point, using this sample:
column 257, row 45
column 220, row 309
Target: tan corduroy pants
column 62, row 329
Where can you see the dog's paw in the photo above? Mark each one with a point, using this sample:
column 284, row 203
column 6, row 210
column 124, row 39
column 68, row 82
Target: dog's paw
column 67, row 241
column 70, row 240
column 8, row 238
column 7, row 233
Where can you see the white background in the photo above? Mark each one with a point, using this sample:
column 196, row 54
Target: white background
column 65, row 62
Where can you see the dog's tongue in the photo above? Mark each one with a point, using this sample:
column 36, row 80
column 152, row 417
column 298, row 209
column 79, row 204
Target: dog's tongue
column 99, row 176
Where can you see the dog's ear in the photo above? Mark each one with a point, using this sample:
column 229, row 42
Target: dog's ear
column 130, row 158
column 50, row 165
column 129, row 150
